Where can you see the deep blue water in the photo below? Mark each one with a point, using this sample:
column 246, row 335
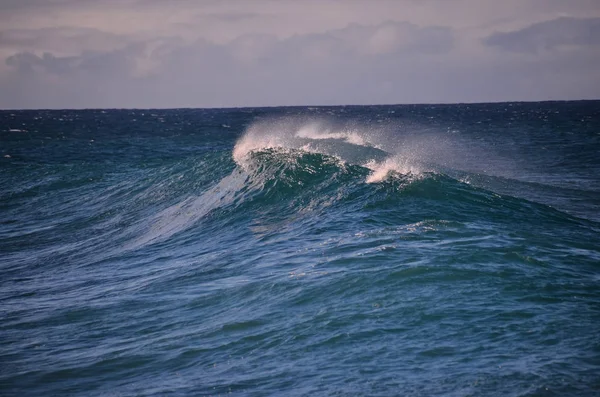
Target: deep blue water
column 419, row 250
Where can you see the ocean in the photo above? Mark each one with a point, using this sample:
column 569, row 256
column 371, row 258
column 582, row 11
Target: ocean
column 401, row 250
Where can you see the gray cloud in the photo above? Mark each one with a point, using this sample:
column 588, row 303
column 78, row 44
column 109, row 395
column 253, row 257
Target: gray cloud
column 390, row 37
column 355, row 41
column 261, row 69
column 24, row 4
column 233, row 16
column 64, row 39
column 27, row 63
column 549, row 35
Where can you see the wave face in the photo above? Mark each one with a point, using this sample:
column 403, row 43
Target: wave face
column 382, row 250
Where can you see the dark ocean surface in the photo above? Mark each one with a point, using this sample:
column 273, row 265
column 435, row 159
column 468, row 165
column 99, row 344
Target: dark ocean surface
column 414, row 250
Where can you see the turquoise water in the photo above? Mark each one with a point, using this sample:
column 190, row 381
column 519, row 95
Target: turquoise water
column 418, row 250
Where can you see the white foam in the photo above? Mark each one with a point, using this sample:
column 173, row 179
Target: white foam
column 251, row 142
column 317, row 132
column 293, row 134
column 391, row 165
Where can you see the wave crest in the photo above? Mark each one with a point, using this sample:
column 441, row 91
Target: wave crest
column 390, row 167
column 354, row 145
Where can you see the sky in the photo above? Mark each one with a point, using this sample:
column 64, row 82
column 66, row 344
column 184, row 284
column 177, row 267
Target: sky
column 233, row 53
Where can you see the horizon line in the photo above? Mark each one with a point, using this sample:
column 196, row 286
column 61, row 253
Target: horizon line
column 306, row 106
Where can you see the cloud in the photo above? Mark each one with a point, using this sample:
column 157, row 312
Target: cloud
column 28, row 63
column 233, row 16
column 341, row 45
column 548, row 36
column 391, row 37
column 108, row 63
column 62, row 39
column 257, row 68
column 385, row 62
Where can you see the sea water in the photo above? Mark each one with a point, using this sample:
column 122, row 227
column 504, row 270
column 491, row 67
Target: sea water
column 410, row 250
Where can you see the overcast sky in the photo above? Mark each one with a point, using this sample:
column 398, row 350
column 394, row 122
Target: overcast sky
column 226, row 53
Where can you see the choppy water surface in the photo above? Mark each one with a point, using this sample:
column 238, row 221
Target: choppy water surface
column 385, row 250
